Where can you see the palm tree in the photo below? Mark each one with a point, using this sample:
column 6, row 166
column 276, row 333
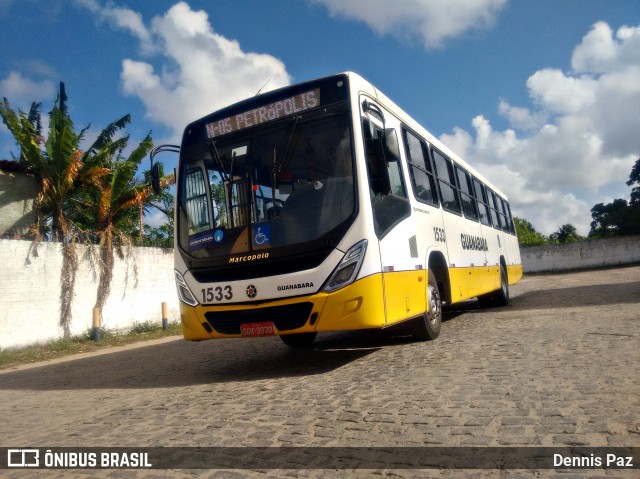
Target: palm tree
column 566, row 234
column 110, row 204
column 57, row 169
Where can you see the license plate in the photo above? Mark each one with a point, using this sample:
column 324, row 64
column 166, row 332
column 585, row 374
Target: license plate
column 257, row 329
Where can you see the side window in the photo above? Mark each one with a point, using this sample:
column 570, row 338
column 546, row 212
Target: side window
column 512, row 226
column 469, row 206
column 493, row 210
column 396, row 179
column 386, row 185
column 481, row 196
column 508, row 222
column 196, row 203
column 377, row 184
column 422, row 178
column 446, row 182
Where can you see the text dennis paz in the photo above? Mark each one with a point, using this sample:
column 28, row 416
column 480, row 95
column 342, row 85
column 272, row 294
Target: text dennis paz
column 592, row 461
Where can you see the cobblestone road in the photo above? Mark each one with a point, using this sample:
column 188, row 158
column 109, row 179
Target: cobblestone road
column 559, row 366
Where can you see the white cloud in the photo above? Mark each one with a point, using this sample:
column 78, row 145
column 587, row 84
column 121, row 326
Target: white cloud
column 22, row 91
column 521, row 118
column 600, row 52
column 119, row 17
column 155, row 218
column 557, row 93
column 199, row 70
column 431, row 21
column 578, row 139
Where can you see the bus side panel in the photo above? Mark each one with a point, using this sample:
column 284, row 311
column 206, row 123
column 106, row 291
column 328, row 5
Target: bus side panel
column 483, row 280
column 515, row 273
column 405, row 294
column 357, row 306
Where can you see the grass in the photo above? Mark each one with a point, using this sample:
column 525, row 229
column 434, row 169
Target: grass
column 84, row 343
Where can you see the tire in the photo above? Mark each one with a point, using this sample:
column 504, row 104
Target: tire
column 299, row 340
column 499, row 297
column 427, row 326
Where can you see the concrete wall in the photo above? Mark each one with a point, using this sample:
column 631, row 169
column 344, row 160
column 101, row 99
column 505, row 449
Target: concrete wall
column 584, row 254
column 17, row 200
column 30, row 306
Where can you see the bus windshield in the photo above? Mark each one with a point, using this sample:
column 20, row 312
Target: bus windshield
column 271, row 186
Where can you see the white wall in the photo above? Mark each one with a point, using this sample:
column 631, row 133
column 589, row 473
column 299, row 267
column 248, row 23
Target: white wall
column 30, row 305
column 584, row 254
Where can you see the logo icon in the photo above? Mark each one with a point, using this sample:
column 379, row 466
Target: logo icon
column 262, row 236
column 23, row 457
column 218, row 236
column 252, row 291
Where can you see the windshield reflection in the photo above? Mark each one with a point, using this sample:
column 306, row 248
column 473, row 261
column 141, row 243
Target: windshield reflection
column 287, row 185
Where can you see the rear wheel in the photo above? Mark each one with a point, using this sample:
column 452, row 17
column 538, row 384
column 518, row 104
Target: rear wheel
column 499, row 297
column 428, row 325
column 300, row 340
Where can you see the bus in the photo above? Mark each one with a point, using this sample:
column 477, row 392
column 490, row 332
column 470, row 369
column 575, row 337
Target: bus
column 323, row 206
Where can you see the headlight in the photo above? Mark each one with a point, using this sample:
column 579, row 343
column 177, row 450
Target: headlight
column 184, row 292
column 347, row 270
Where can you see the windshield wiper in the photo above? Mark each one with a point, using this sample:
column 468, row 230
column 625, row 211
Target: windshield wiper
column 284, row 158
column 216, row 156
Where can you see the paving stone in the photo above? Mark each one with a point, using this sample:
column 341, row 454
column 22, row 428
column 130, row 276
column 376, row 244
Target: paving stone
column 547, row 370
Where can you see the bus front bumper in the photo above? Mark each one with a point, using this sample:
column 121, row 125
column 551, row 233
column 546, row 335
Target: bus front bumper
column 359, row 305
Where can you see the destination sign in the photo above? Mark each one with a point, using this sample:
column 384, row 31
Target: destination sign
column 264, row 114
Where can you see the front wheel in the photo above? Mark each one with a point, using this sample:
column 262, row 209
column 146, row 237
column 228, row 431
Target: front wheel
column 428, row 325
column 300, row 340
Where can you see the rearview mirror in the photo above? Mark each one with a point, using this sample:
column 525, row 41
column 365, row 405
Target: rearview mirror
column 155, row 178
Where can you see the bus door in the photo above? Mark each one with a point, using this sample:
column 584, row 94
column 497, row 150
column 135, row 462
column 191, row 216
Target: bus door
column 404, row 278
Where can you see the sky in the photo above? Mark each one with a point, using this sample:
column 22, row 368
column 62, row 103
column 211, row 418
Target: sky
column 542, row 97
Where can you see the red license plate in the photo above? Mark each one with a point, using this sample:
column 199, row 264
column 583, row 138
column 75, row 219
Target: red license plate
column 258, row 329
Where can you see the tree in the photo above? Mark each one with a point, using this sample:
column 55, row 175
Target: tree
column 610, row 219
column 161, row 236
column 527, row 234
column 619, row 217
column 57, row 169
column 634, row 179
column 567, row 233
column 86, row 196
column 111, row 201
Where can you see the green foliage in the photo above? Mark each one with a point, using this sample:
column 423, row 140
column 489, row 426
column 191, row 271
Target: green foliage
column 82, row 343
column 567, row 233
column 160, row 236
column 527, row 234
column 620, row 217
column 634, row 179
column 59, row 171
column 144, row 327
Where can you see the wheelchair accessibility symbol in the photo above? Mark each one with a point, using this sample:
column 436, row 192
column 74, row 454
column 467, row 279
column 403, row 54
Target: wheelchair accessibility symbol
column 262, row 236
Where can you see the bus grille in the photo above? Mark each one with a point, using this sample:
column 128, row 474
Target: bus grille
column 285, row 318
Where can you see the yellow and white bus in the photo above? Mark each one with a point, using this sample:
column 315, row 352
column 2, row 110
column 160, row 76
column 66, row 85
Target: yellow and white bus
column 323, row 206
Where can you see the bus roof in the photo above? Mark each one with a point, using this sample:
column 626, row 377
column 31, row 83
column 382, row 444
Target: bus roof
column 357, row 85
column 361, row 85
